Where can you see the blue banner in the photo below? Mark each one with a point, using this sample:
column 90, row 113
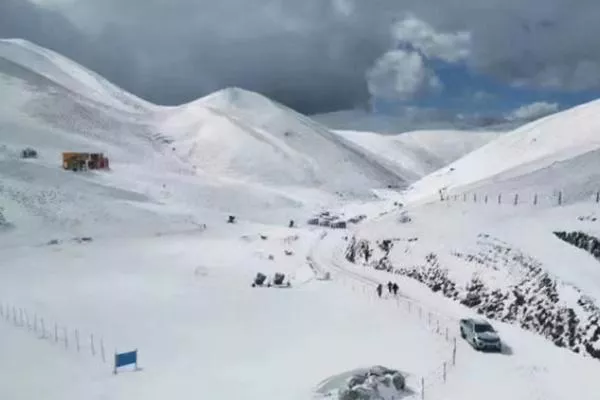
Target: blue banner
column 125, row 359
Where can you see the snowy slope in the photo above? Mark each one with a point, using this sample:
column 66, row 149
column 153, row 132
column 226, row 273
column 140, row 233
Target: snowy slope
column 416, row 154
column 55, row 105
column 186, row 303
column 560, row 149
column 226, row 133
column 231, row 152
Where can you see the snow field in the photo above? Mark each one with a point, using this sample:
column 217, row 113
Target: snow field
column 186, row 303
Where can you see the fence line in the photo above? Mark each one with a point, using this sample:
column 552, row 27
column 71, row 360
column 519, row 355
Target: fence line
column 438, row 324
column 556, row 198
column 70, row 339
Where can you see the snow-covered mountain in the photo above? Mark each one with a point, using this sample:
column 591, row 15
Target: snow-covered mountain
column 558, row 152
column 417, row 154
column 166, row 161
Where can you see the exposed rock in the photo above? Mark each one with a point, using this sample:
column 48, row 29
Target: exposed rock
column 377, row 383
column 582, row 240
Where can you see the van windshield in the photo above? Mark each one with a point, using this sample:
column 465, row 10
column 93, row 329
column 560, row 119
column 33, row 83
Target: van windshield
column 479, row 328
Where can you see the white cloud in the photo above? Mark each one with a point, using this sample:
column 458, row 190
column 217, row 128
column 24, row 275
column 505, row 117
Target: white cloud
column 450, row 47
column 532, row 111
column 400, row 74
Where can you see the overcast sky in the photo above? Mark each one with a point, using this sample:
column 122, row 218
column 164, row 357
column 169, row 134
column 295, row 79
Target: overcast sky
column 323, row 55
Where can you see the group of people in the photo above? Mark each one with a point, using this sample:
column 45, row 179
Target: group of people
column 392, row 289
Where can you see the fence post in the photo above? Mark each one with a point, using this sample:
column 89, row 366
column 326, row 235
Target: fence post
column 446, row 333
column 422, row 388
column 15, row 316
column 77, row 340
column 92, row 344
column 437, row 329
column 560, row 198
column 444, row 371
column 474, row 197
column 55, row 332
column 535, row 199
column 516, row 199
column 43, row 329
column 500, row 198
column 66, row 338
column 102, row 350
column 486, row 199
column 597, row 197
column 428, row 318
column 454, row 353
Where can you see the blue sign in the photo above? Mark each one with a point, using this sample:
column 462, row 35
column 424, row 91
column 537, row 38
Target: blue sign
column 123, row 359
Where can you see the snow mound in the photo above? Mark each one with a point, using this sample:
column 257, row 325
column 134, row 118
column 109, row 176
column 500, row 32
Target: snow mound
column 561, row 149
column 375, row 383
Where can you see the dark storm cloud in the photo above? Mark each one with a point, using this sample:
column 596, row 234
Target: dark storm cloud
column 311, row 54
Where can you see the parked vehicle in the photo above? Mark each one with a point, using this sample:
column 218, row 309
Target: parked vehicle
column 480, row 334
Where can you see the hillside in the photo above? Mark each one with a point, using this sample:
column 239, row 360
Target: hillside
column 419, row 153
column 168, row 164
column 516, row 237
column 245, row 136
column 553, row 153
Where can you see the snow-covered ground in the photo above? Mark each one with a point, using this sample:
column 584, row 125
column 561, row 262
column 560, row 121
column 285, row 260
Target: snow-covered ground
column 141, row 256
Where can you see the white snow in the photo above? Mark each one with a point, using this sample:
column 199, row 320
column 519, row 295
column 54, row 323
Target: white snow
column 419, row 153
column 165, row 274
column 555, row 151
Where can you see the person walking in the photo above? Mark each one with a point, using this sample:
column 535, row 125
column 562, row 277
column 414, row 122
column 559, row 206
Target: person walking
column 390, row 286
column 379, row 290
column 395, row 288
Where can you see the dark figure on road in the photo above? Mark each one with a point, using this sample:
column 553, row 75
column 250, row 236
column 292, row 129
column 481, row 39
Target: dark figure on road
column 379, row 289
column 395, row 288
column 390, row 287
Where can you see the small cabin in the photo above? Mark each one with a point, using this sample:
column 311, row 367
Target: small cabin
column 74, row 161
